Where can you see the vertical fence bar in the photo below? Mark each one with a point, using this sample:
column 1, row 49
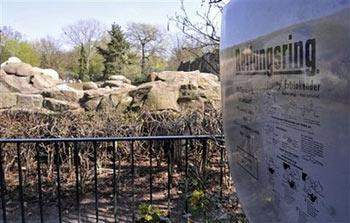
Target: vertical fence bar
column 115, row 197
column 57, row 154
column 37, row 147
column 221, row 170
column 3, row 187
column 186, row 177
column 169, row 177
column 133, row 181
column 204, row 161
column 20, row 181
column 95, row 178
column 150, row 173
column 77, row 190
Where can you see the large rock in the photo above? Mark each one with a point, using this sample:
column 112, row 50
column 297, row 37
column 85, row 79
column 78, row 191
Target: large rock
column 156, row 96
column 51, row 73
column 16, row 84
column 29, row 101
column 8, row 100
column 64, row 94
column 89, row 86
column 194, row 84
column 42, row 82
column 107, row 98
column 59, row 106
column 19, row 69
column 46, row 72
column 121, row 99
column 113, row 83
column 11, row 60
column 2, row 72
column 139, row 95
column 91, row 104
column 124, row 103
column 120, row 78
column 92, row 98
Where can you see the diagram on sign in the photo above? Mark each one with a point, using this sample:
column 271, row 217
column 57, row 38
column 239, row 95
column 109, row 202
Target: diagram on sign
column 312, row 188
column 310, row 110
column 291, row 176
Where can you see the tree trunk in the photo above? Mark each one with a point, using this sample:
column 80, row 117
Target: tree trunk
column 143, row 59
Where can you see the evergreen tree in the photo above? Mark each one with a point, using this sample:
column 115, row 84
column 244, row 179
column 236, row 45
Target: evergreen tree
column 83, row 70
column 115, row 56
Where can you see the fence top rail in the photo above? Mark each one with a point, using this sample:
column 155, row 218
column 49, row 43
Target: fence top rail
column 111, row 139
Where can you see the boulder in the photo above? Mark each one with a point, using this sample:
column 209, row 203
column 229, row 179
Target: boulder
column 91, row 104
column 8, row 100
column 112, row 83
column 120, row 78
column 29, row 101
column 19, row 69
column 92, row 98
column 89, row 86
column 42, row 82
column 11, row 60
column 59, row 106
column 46, row 72
column 121, row 99
column 99, row 92
column 2, row 72
column 4, row 88
column 178, row 77
column 162, row 96
column 64, row 94
column 16, row 84
column 139, row 95
column 51, row 73
column 193, row 85
column 106, row 104
column 124, row 103
column 156, row 96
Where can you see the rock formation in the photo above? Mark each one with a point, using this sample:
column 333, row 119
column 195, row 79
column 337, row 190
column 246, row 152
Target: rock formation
column 41, row 90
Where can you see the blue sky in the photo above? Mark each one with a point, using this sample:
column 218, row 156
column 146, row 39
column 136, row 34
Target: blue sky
column 36, row 19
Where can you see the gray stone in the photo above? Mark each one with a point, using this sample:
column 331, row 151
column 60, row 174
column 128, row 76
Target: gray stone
column 17, row 84
column 8, row 100
column 89, row 86
column 42, row 82
column 114, row 83
column 69, row 94
column 156, row 96
column 59, row 106
column 29, row 101
column 2, row 72
column 91, row 104
column 11, row 60
column 19, row 69
column 120, row 78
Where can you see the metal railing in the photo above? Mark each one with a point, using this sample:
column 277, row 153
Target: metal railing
column 58, row 144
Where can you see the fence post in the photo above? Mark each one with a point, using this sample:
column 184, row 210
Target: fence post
column 19, row 164
column 37, row 147
column 58, row 182
column 3, row 187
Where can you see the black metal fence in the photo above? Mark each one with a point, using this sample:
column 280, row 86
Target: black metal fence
column 97, row 143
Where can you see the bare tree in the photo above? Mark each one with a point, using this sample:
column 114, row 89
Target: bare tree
column 201, row 34
column 9, row 32
column 205, row 32
column 146, row 38
column 85, row 33
column 51, row 54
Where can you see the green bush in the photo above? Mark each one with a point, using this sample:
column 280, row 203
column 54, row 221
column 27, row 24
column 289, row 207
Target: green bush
column 149, row 213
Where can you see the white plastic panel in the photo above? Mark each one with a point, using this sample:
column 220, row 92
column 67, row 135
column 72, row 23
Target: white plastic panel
column 286, row 106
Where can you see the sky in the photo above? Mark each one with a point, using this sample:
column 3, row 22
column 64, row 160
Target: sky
column 40, row 18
